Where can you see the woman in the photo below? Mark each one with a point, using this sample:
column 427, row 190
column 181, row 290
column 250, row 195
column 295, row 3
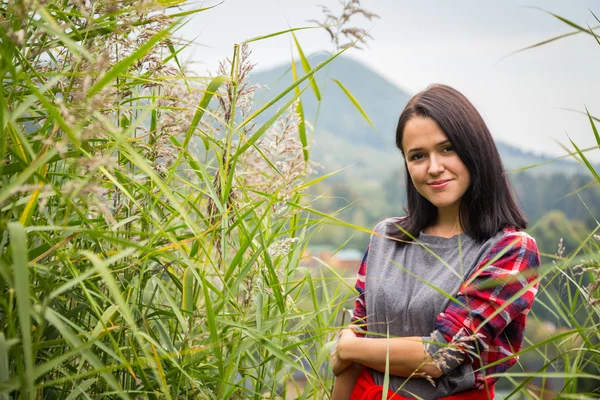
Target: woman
column 443, row 292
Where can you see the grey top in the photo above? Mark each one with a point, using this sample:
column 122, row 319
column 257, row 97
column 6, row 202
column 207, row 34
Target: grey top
column 399, row 297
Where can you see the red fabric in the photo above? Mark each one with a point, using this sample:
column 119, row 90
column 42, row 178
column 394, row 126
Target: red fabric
column 366, row 389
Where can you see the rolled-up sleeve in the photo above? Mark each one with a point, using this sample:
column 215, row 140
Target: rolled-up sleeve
column 485, row 323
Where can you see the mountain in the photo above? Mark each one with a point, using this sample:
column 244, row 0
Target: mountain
column 371, row 185
column 343, row 139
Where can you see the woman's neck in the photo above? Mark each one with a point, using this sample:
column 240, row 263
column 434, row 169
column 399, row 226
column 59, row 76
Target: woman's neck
column 447, row 223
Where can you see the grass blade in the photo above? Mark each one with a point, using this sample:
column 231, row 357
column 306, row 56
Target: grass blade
column 585, row 160
column 559, row 37
column 122, row 66
column 307, row 68
column 274, row 100
column 356, row 103
column 270, row 35
column 187, row 296
column 5, row 346
column 593, row 127
column 210, row 91
column 19, row 247
column 81, row 389
column 263, row 129
column 56, row 320
column 53, row 28
column 300, row 112
column 212, row 324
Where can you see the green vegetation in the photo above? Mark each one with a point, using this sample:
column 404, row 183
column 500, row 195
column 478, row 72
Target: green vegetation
column 153, row 223
column 151, row 230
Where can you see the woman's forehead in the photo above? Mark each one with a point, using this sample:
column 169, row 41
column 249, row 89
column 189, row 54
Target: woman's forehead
column 422, row 131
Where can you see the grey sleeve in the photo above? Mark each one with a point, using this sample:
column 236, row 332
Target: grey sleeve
column 444, row 357
column 457, row 375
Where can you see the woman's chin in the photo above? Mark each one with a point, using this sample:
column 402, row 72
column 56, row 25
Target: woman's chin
column 443, row 203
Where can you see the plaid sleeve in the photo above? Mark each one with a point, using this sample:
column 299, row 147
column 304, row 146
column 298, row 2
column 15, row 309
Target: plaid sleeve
column 487, row 322
column 359, row 314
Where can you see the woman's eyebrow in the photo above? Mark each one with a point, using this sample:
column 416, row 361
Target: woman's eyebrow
column 421, row 148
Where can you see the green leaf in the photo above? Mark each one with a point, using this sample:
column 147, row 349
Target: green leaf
column 81, row 388
column 593, row 127
column 275, row 99
column 565, row 375
column 568, row 22
column 13, row 168
column 122, row 66
column 313, row 295
column 53, row 28
column 319, row 179
column 325, row 352
column 259, row 309
column 187, row 296
column 57, row 321
column 356, row 103
column 270, row 35
column 209, row 92
column 25, row 105
column 593, row 34
column 18, row 244
column 212, row 324
column 172, row 303
column 263, row 129
column 300, row 112
column 202, row 173
column 307, row 68
column 264, row 341
column 55, row 114
column 113, row 288
column 585, row 160
column 559, row 37
column 128, row 151
column 4, row 116
column 5, row 346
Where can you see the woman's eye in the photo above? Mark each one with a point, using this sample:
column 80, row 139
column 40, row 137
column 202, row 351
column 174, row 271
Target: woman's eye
column 416, row 157
column 447, row 149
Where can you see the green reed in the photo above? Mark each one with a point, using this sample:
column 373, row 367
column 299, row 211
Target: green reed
column 152, row 227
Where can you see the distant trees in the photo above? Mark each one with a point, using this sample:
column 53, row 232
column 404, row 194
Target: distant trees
column 557, row 206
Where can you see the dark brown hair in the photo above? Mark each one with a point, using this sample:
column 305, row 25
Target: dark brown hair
column 488, row 205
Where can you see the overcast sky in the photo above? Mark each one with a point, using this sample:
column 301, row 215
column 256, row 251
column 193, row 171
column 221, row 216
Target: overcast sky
column 462, row 43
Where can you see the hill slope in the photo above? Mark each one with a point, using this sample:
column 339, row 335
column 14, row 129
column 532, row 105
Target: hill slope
column 343, row 139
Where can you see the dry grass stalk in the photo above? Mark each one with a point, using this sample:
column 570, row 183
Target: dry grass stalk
column 338, row 25
column 460, row 345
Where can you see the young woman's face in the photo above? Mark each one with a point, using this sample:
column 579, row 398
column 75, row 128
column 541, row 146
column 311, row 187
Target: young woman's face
column 437, row 172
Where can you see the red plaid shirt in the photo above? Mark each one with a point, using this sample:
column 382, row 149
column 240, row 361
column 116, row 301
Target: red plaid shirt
column 492, row 303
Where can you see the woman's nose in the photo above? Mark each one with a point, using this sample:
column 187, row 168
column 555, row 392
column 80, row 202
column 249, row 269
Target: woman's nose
column 435, row 166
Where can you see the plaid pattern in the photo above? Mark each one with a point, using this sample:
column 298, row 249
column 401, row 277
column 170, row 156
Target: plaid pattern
column 359, row 315
column 492, row 307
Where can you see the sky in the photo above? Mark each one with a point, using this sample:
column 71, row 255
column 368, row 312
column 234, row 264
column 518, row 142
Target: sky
column 531, row 99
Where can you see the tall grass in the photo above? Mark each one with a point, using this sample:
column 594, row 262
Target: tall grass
column 562, row 356
column 152, row 228
column 152, row 224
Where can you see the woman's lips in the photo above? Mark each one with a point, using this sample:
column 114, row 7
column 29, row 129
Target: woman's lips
column 440, row 184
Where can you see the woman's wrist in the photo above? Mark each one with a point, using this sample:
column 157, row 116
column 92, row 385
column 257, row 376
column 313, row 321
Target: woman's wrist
column 346, row 347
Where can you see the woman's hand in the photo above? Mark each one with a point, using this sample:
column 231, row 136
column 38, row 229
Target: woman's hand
column 339, row 362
